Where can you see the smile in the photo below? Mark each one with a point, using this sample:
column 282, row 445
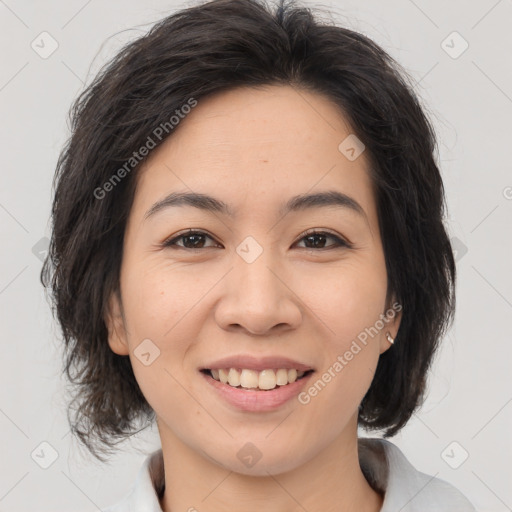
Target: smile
column 255, row 399
column 252, row 379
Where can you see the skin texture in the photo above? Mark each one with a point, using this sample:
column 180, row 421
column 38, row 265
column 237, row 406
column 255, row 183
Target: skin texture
column 253, row 149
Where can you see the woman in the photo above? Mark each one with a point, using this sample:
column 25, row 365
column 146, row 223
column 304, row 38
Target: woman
column 248, row 247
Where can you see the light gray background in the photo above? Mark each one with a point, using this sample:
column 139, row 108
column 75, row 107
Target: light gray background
column 469, row 99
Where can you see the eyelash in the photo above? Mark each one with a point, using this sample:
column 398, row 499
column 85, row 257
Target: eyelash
column 339, row 241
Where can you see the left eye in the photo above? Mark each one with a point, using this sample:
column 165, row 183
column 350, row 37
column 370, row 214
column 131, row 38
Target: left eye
column 321, row 235
column 195, row 240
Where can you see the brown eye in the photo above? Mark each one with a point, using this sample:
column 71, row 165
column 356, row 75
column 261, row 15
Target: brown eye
column 317, row 240
column 191, row 240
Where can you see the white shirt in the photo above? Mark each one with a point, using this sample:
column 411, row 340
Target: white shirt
column 383, row 464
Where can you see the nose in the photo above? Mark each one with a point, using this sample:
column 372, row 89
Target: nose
column 258, row 298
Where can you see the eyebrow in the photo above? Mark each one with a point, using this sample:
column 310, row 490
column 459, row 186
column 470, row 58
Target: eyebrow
column 330, row 198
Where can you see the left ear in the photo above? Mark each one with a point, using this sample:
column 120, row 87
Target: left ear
column 394, row 317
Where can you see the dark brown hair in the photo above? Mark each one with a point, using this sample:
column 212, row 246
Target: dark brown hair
column 211, row 48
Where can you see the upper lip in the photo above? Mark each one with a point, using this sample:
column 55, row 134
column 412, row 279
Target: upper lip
column 256, row 363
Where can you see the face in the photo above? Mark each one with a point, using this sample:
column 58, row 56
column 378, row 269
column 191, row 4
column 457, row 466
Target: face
column 274, row 288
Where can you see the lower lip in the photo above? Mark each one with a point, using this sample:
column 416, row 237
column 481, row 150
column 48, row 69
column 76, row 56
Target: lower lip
column 257, row 400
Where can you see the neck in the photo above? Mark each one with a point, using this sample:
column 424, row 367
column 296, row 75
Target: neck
column 331, row 481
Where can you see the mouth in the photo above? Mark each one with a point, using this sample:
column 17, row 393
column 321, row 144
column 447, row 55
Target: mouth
column 253, row 380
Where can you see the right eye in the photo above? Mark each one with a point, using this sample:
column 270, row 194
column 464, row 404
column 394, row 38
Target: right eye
column 192, row 240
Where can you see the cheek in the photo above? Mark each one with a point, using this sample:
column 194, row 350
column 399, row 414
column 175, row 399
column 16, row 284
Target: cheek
column 349, row 305
column 348, row 302
column 158, row 310
column 159, row 299
column 160, row 329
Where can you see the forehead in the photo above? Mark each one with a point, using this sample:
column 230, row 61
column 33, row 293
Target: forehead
column 278, row 119
column 247, row 144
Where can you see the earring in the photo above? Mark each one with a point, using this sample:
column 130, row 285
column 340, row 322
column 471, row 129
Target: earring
column 390, row 338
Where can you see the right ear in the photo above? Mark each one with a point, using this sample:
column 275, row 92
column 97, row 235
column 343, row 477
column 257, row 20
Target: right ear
column 114, row 319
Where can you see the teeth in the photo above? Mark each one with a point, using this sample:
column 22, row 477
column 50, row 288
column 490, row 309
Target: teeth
column 248, row 378
column 267, row 379
column 223, row 376
column 251, row 379
column 233, row 378
column 281, row 377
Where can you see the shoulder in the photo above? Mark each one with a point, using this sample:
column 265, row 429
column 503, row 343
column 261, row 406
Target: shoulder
column 406, row 488
column 144, row 494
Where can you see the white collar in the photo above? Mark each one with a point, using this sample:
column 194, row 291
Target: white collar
column 383, row 464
